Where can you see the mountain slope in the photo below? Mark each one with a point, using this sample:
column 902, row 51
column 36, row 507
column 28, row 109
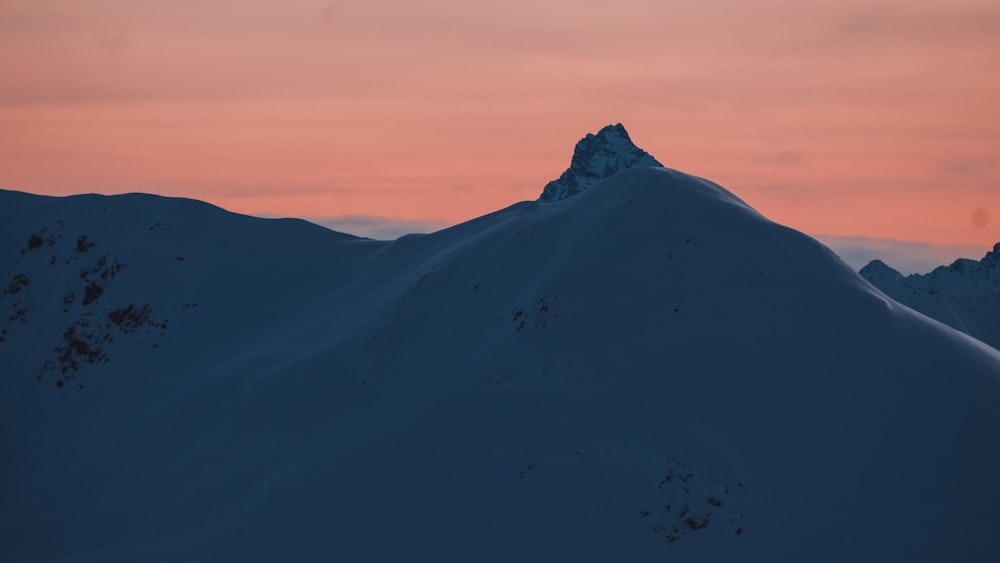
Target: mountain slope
column 964, row 295
column 649, row 370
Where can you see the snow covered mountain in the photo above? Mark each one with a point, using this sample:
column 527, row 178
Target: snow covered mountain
column 647, row 371
column 595, row 158
column 964, row 295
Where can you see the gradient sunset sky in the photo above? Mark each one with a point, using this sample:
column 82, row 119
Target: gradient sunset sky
column 871, row 124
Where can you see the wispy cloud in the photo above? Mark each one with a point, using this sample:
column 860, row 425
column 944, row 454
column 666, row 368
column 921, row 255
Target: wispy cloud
column 781, row 158
column 875, row 113
column 379, row 228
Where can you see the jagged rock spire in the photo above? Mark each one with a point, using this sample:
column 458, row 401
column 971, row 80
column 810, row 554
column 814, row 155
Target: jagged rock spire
column 595, row 158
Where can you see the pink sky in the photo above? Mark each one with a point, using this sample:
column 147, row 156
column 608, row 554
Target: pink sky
column 848, row 118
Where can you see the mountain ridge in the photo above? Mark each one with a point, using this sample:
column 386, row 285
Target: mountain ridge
column 575, row 380
column 964, row 295
column 962, row 275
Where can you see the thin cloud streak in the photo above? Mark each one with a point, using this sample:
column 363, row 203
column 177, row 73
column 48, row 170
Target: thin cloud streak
column 378, row 228
column 446, row 109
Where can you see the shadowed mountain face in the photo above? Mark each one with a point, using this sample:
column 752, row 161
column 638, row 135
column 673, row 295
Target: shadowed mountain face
column 595, row 158
column 964, row 295
column 647, row 371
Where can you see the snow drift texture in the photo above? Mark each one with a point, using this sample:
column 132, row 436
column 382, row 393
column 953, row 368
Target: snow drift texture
column 647, row 371
column 964, row 295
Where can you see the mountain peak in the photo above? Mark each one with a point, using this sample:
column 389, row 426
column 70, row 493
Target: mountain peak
column 595, row 158
column 964, row 294
column 961, row 276
column 880, row 273
column 993, row 257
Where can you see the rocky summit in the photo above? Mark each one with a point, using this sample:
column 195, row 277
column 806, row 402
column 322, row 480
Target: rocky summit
column 595, row 158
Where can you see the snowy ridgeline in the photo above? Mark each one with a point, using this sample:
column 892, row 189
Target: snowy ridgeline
column 964, row 295
column 647, row 371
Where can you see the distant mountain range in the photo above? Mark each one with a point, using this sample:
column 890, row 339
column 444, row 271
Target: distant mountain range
column 647, row 371
column 964, row 295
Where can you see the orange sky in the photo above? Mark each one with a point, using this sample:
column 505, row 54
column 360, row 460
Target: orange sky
column 848, row 118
